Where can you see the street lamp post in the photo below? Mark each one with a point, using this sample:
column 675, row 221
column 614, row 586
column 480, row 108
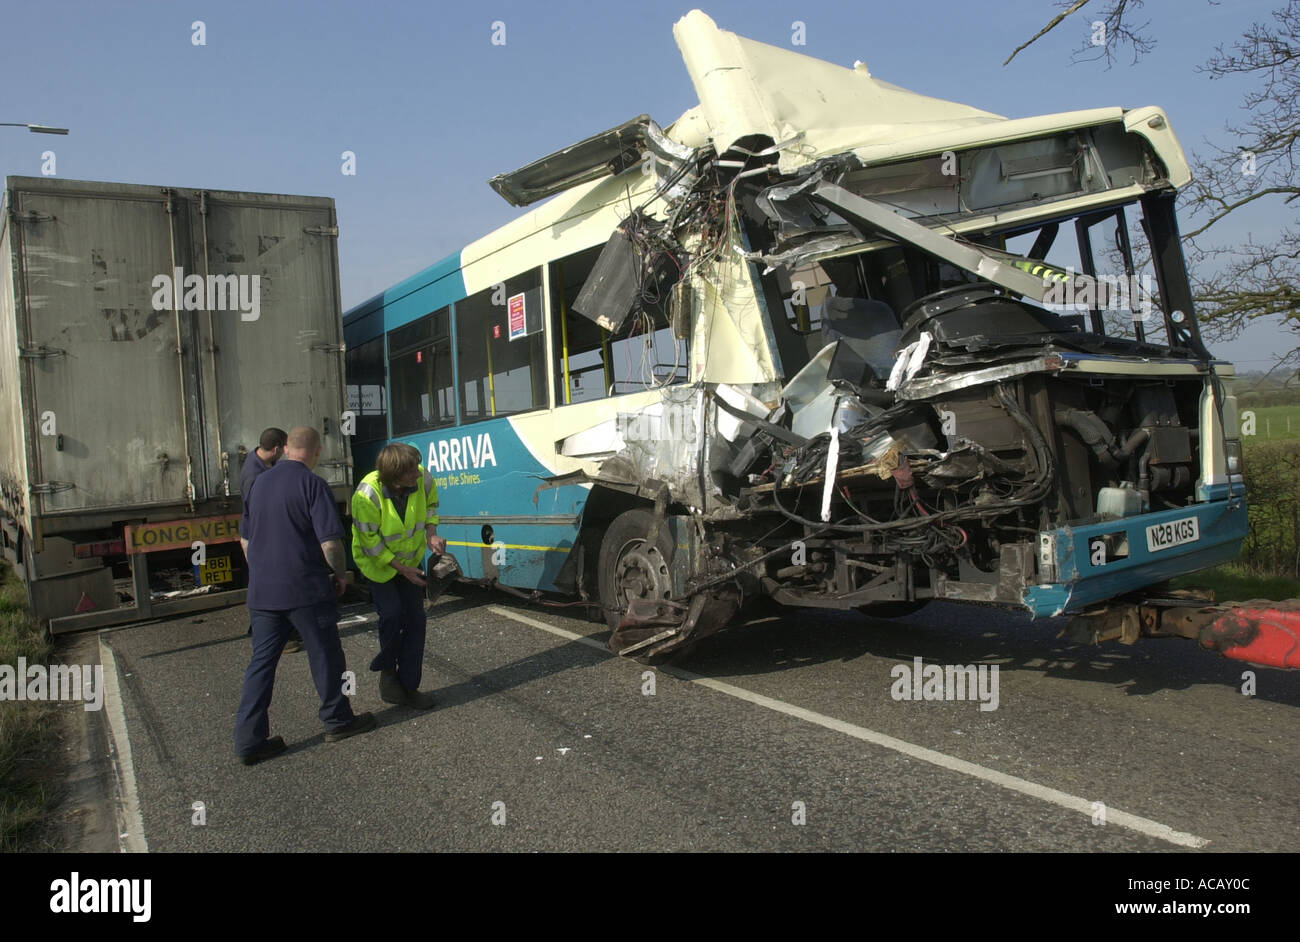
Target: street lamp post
column 34, row 128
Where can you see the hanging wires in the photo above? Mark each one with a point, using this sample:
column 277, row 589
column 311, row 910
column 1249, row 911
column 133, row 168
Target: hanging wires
column 911, row 518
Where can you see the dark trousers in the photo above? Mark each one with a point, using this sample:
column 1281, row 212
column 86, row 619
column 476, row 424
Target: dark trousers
column 319, row 627
column 401, row 629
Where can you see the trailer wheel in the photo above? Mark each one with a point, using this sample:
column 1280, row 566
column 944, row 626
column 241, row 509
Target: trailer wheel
column 629, row 568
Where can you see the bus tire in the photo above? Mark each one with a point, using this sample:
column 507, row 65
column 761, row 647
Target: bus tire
column 626, row 565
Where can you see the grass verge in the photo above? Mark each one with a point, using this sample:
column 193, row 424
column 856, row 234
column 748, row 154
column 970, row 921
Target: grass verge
column 1233, row 582
column 23, row 800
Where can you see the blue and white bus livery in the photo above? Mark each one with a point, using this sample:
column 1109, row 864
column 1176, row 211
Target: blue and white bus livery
column 849, row 348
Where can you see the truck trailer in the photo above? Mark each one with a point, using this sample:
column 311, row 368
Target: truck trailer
column 147, row 336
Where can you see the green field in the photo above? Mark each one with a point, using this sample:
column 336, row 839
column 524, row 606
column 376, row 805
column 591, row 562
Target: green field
column 1270, row 437
column 1232, row 582
column 1271, row 423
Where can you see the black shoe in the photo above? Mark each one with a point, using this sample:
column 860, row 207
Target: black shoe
column 361, row 723
column 390, row 688
column 268, row 750
column 419, row 701
column 294, row 644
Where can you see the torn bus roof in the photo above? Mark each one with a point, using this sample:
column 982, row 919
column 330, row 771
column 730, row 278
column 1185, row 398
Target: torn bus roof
column 802, row 109
column 751, row 90
column 744, row 89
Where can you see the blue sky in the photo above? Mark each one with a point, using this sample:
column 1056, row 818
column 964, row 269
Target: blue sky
column 432, row 108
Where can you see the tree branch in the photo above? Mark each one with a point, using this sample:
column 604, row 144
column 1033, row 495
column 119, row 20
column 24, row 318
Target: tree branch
column 1229, row 207
column 1048, row 28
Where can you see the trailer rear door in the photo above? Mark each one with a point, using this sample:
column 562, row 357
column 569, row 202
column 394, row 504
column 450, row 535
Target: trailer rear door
column 107, row 402
column 283, row 367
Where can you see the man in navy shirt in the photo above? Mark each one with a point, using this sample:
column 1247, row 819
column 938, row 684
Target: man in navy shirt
column 292, row 539
column 270, row 447
column 269, row 450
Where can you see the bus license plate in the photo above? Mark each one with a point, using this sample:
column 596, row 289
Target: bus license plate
column 1162, row 536
column 217, row 569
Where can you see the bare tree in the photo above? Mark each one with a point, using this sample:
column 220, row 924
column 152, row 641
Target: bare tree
column 1112, row 29
column 1234, row 283
column 1242, row 282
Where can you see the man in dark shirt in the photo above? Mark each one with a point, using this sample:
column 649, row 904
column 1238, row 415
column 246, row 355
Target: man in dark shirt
column 269, row 450
column 292, row 539
column 270, row 447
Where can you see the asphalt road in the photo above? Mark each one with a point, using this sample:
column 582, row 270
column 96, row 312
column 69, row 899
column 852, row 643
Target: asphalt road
column 779, row 733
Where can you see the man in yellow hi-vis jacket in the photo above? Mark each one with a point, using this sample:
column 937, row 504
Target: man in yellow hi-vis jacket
column 394, row 523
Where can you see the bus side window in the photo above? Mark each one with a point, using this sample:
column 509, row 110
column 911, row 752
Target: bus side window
column 499, row 349
column 419, row 368
column 581, row 346
column 590, row 362
column 366, row 392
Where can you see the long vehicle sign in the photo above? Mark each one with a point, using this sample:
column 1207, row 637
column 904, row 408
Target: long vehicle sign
column 181, row 534
column 1162, row 536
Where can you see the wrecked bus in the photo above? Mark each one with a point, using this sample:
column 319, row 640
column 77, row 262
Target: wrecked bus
column 829, row 341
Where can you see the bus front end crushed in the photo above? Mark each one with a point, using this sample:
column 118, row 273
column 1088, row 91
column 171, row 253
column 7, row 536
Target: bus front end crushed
column 952, row 431
column 1057, row 484
column 931, row 354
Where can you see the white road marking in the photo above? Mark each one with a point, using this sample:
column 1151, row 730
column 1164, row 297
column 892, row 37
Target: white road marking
column 131, row 829
column 568, row 635
column 1013, row 783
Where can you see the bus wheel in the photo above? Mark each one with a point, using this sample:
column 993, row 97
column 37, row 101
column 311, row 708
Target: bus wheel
column 630, row 568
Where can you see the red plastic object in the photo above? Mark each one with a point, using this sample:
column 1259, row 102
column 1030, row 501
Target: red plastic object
column 1267, row 635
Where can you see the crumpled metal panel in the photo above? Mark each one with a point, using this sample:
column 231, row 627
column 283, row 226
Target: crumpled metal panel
column 730, row 343
column 609, row 152
column 664, row 443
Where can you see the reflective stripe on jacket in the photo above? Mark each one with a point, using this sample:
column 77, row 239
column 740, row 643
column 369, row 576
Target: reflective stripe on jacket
column 380, row 537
